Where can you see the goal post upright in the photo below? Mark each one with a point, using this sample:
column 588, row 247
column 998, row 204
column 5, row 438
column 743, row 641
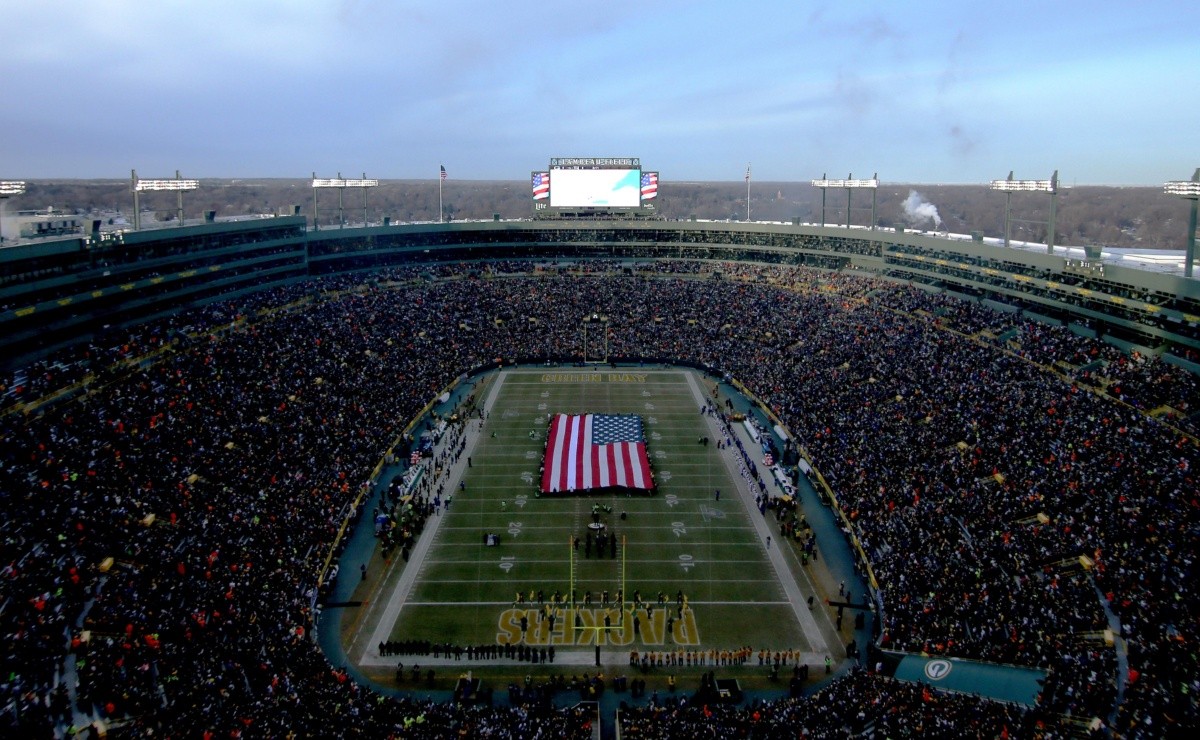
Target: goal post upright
column 623, row 592
column 571, row 582
column 595, row 319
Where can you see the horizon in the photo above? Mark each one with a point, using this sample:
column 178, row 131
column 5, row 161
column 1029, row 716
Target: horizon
column 433, row 180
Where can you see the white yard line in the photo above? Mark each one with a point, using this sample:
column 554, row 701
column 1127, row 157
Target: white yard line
column 535, row 605
column 564, row 655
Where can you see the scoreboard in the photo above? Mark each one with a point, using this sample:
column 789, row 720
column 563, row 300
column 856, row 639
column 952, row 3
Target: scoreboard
column 583, row 187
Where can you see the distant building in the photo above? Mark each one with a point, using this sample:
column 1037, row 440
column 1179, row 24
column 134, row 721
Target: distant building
column 38, row 225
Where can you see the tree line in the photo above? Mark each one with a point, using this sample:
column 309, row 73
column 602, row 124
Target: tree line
column 1111, row 216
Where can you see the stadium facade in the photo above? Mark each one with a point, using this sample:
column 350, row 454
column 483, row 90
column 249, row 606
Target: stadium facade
column 60, row 291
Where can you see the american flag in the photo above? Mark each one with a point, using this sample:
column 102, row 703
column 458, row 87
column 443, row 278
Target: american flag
column 649, row 185
column 541, row 185
column 591, row 451
column 443, row 168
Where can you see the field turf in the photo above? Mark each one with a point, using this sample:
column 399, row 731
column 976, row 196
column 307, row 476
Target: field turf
column 680, row 539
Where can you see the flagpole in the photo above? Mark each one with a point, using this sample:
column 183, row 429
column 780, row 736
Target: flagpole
column 441, row 213
column 747, row 191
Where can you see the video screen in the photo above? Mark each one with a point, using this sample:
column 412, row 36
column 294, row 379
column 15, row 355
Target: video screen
column 595, row 188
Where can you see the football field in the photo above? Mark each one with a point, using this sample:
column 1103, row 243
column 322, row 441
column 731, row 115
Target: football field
column 688, row 568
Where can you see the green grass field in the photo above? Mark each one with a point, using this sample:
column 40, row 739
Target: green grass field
column 681, row 539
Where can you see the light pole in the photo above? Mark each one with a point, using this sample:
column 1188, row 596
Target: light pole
column 364, row 195
column 850, row 185
column 178, row 185
column 341, row 184
column 747, row 191
column 1188, row 190
column 8, row 189
column 1010, row 186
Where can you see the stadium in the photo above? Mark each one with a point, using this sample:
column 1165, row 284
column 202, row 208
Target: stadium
column 263, row 478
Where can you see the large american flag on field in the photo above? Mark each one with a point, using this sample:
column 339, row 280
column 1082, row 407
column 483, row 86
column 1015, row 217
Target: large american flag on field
column 596, row 451
column 649, row 185
column 541, row 185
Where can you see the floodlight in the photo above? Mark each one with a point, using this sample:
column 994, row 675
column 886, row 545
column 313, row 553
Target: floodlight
column 1183, row 188
column 1024, row 186
column 848, row 184
column 1190, row 190
column 1009, row 186
column 341, row 183
column 180, row 185
column 872, row 183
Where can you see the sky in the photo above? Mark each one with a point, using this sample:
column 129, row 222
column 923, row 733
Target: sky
column 917, row 91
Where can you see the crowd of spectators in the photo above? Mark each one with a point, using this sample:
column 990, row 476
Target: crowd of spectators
column 164, row 530
column 859, row 705
column 1146, row 382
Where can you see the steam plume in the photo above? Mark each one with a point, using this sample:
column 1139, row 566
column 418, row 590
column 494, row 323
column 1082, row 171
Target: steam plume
column 917, row 210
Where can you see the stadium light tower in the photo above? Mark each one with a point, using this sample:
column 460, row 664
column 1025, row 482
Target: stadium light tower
column 1188, row 190
column 1010, row 186
column 341, row 184
column 179, row 185
column 9, row 189
column 850, row 185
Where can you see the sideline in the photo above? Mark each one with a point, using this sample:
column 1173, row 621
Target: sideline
column 385, row 622
column 783, row 574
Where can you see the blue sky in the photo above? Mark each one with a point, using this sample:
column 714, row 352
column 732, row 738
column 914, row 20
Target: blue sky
column 923, row 92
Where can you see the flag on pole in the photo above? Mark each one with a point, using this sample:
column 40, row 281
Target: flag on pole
column 649, row 185
column 589, row 451
column 747, row 173
column 541, row 185
column 443, row 168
